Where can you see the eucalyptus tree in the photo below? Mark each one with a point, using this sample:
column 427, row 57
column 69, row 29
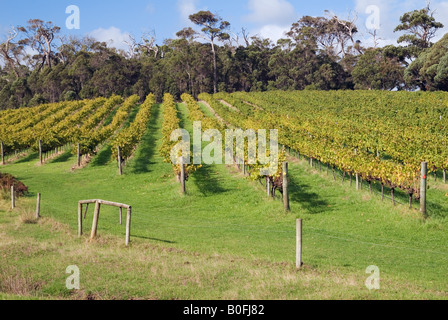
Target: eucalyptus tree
column 40, row 37
column 11, row 52
column 420, row 27
column 430, row 70
column 213, row 29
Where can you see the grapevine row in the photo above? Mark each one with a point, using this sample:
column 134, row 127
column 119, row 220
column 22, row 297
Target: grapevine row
column 129, row 138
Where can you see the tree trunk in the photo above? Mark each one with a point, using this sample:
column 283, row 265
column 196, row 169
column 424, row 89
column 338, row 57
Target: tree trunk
column 215, row 69
column 48, row 53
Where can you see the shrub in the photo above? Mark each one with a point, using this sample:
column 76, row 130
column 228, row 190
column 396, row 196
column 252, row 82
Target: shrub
column 37, row 100
column 70, row 96
column 7, row 180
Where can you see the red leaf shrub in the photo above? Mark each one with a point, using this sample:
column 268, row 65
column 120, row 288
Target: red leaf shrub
column 7, row 180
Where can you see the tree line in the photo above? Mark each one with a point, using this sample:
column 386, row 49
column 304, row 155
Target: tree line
column 318, row 53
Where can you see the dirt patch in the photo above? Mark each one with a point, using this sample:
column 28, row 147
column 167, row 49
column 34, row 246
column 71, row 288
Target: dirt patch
column 229, row 105
column 442, row 187
column 205, row 103
column 55, row 226
column 254, row 106
column 85, row 160
column 50, row 156
column 18, row 155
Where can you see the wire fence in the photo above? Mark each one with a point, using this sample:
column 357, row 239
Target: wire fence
column 438, row 258
column 248, row 229
column 374, row 188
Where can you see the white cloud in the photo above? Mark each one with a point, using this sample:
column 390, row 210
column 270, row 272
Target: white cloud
column 187, row 8
column 273, row 18
column 273, row 12
column 113, row 36
column 273, row 32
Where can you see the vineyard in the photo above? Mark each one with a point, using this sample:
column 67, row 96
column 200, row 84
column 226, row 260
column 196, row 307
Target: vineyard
column 69, row 151
column 384, row 140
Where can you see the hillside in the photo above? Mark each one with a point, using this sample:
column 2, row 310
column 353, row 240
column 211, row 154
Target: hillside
column 224, row 239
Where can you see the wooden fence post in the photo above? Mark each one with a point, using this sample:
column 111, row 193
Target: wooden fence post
column 268, row 186
column 423, row 187
column 357, row 174
column 285, row 187
column 98, row 203
column 38, row 206
column 3, row 153
column 79, row 219
column 96, row 215
column 120, row 167
column 182, row 175
column 85, row 212
column 128, row 226
column 78, row 154
column 299, row 244
column 13, row 198
column 40, row 151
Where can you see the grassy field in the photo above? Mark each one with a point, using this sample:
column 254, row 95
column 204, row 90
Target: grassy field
column 223, row 240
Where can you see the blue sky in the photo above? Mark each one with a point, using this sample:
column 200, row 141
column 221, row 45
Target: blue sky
column 115, row 20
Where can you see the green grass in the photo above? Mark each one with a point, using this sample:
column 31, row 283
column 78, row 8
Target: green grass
column 223, row 240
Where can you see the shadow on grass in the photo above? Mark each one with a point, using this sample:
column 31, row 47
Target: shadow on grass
column 435, row 210
column 63, row 158
column 180, row 114
column 154, row 239
column 103, row 157
column 310, row 201
column 206, row 182
column 143, row 161
column 28, row 158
